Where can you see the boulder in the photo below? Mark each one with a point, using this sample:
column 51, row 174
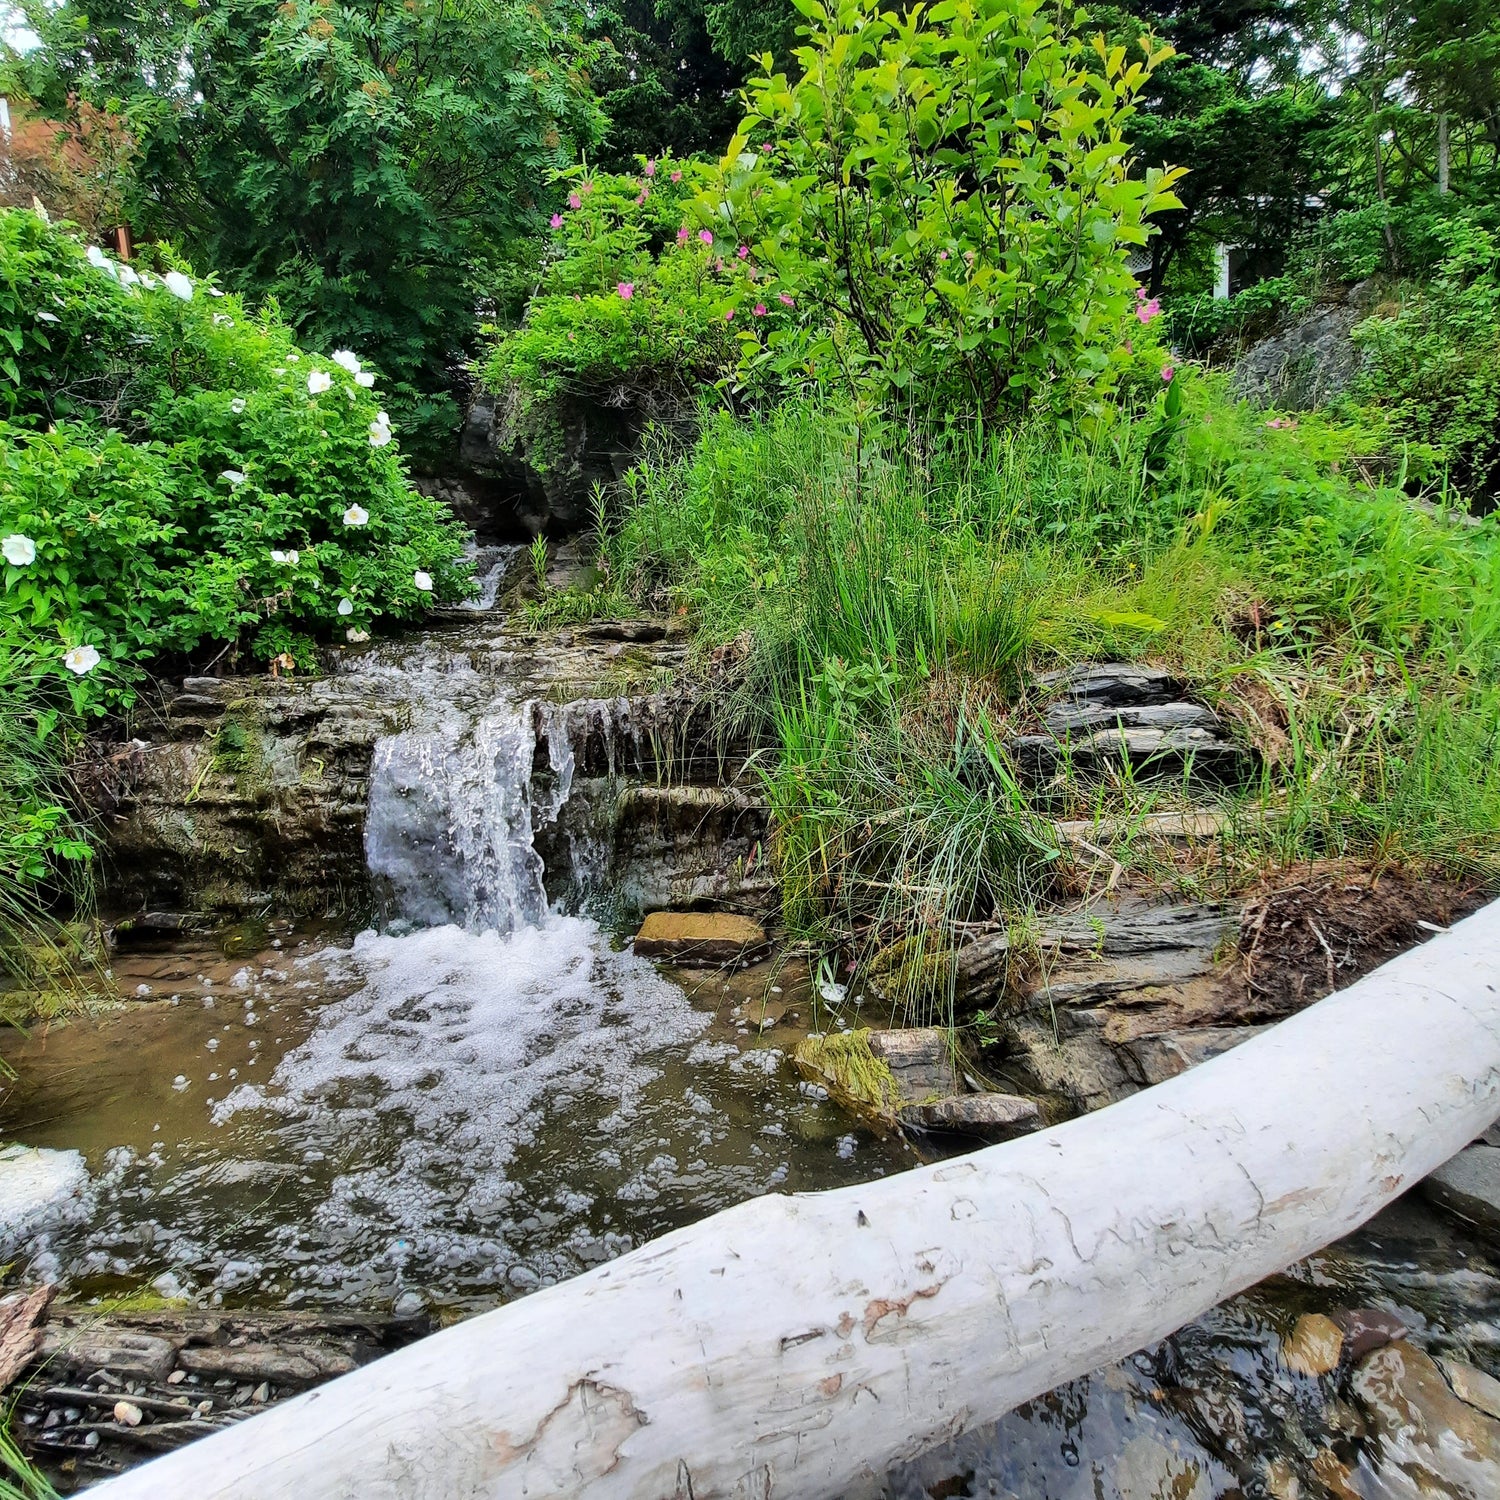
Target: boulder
column 701, row 939
column 1111, row 684
column 1468, row 1186
column 1309, row 363
column 990, row 1117
column 921, row 1062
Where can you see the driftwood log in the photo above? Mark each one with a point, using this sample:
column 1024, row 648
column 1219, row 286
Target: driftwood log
column 791, row 1345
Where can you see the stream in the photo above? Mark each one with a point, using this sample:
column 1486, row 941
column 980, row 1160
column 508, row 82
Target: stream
column 487, row 1092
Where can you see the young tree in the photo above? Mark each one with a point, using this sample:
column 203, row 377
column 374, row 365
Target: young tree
column 363, row 163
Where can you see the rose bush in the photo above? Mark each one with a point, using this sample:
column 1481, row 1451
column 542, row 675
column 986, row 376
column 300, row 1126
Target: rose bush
column 175, row 473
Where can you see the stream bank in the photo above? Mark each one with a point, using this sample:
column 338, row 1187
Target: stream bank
column 485, row 1091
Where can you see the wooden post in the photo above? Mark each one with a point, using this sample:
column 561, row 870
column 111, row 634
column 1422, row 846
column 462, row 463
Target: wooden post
column 792, row 1345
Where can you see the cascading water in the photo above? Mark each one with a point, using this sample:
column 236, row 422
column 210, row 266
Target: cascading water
column 477, row 1097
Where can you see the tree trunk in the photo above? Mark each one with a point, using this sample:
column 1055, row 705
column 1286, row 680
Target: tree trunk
column 792, row 1345
column 1443, row 152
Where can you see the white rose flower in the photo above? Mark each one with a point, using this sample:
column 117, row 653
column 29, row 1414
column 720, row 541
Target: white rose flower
column 346, row 359
column 384, row 418
column 81, row 660
column 318, row 382
column 277, row 555
column 422, row 580
column 18, row 550
column 292, row 556
column 292, row 358
column 356, row 637
column 237, row 405
column 365, row 378
column 233, row 476
column 46, row 317
column 356, row 515
column 346, row 606
column 379, row 435
column 179, row 285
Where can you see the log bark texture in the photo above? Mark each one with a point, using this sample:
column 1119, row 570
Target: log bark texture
column 792, row 1345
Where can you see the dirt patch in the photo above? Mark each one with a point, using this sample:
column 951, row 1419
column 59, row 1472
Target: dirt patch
column 1312, row 929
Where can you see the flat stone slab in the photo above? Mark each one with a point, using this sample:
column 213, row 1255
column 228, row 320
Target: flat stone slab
column 1469, row 1187
column 136, row 1356
column 921, row 1061
column 701, row 939
column 1085, row 718
column 991, row 1117
column 1115, row 684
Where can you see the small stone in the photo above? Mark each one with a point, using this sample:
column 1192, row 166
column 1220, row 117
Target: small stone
column 261, row 1394
column 128, row 1413
column 1315, row 1345
column 176, row 1377
column 409, row 1304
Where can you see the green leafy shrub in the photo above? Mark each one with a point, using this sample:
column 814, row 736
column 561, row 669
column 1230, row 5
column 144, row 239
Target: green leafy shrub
column 946, row 198
column 1433, row 370
column 210, row 483
column 630, row 310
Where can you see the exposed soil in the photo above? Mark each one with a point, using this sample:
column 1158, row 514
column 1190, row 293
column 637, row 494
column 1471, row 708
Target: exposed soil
column 1315, row 928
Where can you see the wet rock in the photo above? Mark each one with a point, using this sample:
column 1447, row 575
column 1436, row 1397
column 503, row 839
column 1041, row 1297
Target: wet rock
column 1472, row 1387
column 38, row 1187
column 1315, row 1345
column 1156, row 1058
column 1468, row 1186
column 128, row 1413
column 988, row 1117
column 1080, row 1069
column 1431, row 1442
column 701, row 939
column 85, row 1349
column 1366, row 1329
column 921, row 1062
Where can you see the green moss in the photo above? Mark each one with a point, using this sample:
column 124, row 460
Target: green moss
column 855, row 1078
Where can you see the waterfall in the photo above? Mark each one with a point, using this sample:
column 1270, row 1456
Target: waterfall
column 452, row 816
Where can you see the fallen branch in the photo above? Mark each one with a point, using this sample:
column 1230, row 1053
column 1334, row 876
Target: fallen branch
column 794, row 1345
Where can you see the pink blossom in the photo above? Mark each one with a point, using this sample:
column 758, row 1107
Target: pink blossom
column 706, row 235
column 640, row 197
column 942, row 255
column 759, row 309
column 682, row 235
column 1140, row 294
column 729, row 316
column 765, row 149
column 1148, row 310
column 785, row 298
column 743, row 252
column 626, row 289
column 557, row 221
column 1167, row 372
column 574, row 201
column 651, row 169
column 676, row 176
column 588, row 187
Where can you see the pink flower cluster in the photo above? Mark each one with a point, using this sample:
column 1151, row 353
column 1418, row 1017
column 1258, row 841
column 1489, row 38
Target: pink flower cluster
column 1282, row 422
column 1146, row 308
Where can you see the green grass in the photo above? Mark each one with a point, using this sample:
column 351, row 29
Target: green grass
column 44, row 853
column 900, row 595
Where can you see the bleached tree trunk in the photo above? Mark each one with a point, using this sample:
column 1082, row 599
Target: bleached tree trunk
column 1443, row 152
column 790, row 1345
